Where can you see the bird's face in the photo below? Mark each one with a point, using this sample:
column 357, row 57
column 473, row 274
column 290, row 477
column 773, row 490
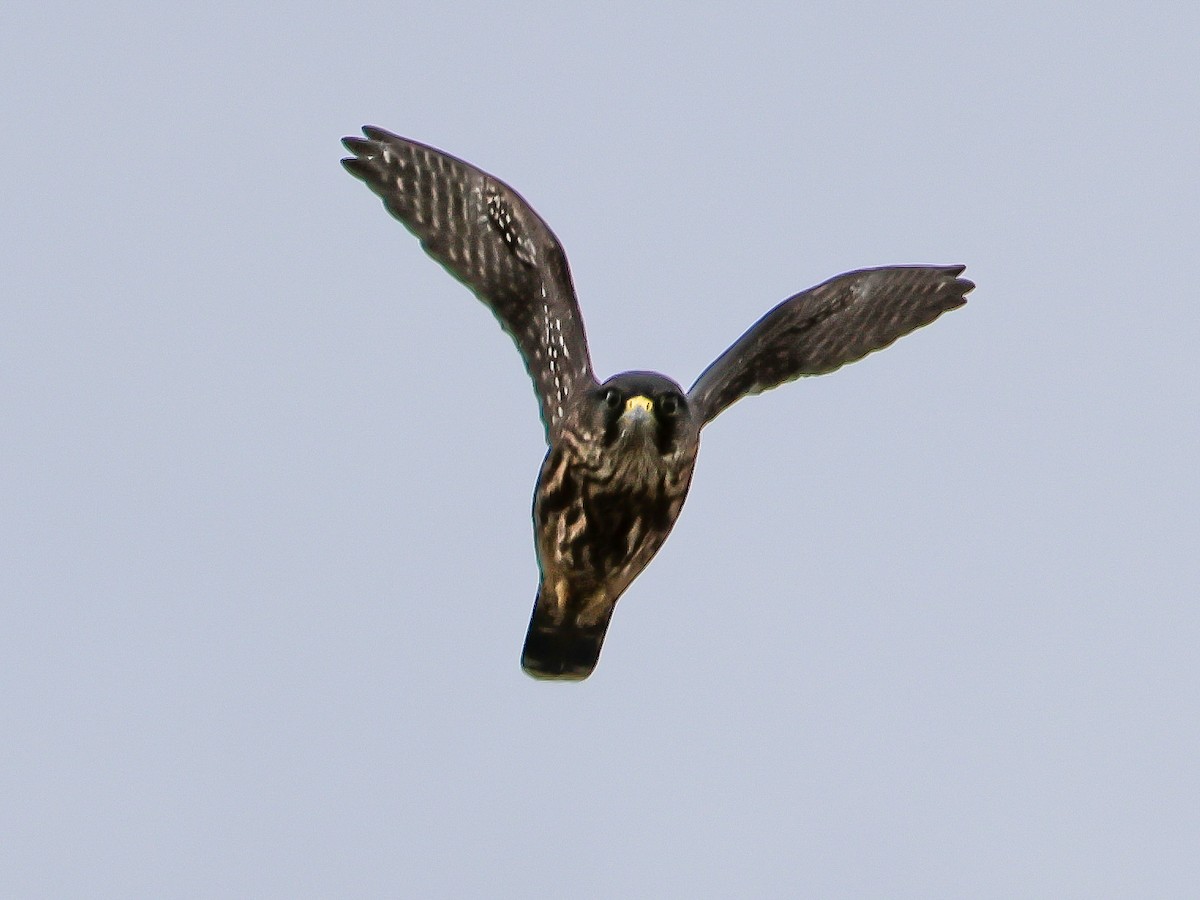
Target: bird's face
column 644, row 414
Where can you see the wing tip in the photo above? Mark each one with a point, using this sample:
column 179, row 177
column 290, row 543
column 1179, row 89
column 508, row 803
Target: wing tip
column 960, row 287
column 357, row 167
column 369, row 145
column 359, row 164
column 375, row 133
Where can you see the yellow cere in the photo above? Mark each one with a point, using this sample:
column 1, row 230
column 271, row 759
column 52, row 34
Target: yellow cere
column 635, row 402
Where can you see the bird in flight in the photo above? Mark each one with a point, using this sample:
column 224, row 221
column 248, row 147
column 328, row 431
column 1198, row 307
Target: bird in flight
column 621, row 451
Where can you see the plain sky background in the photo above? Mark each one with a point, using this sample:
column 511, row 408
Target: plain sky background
column 928, row 627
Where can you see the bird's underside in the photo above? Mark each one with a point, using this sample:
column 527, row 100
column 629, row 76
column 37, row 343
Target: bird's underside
column 620, row 454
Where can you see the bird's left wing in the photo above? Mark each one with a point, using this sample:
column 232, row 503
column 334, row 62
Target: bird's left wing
column 825, row 327
column 486, row 235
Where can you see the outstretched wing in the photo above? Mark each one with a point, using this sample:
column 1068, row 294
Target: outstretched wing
column 486, row 235
column 825, row 327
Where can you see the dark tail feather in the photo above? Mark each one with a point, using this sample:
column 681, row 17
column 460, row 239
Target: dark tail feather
column 562, row 651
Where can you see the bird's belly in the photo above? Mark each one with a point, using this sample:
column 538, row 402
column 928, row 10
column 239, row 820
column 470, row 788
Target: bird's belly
column 604, row 539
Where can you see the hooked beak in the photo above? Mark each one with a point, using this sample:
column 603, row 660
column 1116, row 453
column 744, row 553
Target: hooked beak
column 638, row 409
column 638, row 422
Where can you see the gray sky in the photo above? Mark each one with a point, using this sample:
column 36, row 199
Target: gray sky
column 927, row 626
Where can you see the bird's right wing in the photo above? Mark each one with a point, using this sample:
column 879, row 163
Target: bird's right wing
column 826, row 327
column 486, row 235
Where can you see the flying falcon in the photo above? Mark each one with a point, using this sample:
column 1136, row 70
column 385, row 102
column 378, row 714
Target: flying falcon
column 621, row 451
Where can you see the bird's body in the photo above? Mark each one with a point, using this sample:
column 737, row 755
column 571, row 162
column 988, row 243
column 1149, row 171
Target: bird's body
column 620, row 454
column 606, row 499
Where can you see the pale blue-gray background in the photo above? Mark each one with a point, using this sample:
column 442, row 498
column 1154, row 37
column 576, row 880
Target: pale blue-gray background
column 927, row 627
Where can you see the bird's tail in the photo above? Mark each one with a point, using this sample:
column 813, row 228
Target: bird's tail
column 562, row 650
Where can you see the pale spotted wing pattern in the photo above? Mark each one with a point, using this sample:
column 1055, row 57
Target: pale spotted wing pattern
column 826, row 327
column 486, row 235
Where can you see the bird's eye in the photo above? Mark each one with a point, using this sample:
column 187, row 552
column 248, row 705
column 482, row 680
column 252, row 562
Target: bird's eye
column 612, row 398
column 669, row 404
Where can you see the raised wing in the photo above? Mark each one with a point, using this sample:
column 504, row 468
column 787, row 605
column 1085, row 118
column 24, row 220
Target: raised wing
column 825, row 327
column 486, row 235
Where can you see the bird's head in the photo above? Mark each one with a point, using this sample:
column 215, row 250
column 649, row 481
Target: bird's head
column 643, row 412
